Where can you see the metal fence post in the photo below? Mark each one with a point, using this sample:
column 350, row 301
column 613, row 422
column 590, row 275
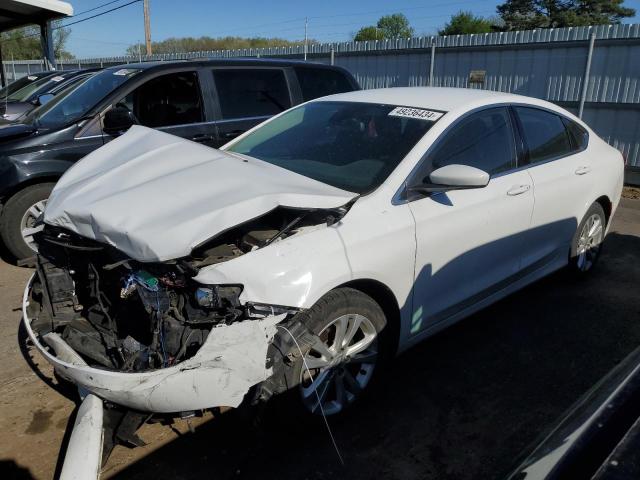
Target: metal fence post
column 333, row 56
column 432, row 62
column 585, row 80
column 13, row 67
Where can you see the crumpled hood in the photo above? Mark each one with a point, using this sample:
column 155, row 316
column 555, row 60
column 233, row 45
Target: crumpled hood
column 155, row 196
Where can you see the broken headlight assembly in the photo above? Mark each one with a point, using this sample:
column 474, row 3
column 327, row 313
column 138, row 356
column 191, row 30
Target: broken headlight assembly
column 218, row 296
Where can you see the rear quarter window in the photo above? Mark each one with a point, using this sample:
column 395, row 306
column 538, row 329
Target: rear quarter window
column 320, row 82
column 579, row 136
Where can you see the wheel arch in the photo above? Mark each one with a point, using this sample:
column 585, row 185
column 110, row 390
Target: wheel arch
column 33, row 180
column 384, row 297
column 606, row 205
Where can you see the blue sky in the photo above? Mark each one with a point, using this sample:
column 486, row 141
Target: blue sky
column 329, row 20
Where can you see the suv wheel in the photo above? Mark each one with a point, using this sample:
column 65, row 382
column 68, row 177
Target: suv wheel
column 19, row 216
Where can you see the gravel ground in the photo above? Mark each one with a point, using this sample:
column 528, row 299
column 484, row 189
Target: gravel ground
column 464, row 404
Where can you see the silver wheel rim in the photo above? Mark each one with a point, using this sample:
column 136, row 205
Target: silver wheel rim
column 341, row 363
column 28, row 222
column 589, row 242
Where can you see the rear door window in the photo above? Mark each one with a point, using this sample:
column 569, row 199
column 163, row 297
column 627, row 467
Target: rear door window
column 168, row 100
column 247, row 92
column 544, row 133
column 319, row 82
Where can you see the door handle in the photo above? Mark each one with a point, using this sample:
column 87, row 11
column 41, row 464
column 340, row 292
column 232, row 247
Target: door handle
column 201, row 137
column 518, row 190
column 582, row 170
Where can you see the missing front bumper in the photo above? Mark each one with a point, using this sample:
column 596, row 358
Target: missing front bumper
column 231, row 361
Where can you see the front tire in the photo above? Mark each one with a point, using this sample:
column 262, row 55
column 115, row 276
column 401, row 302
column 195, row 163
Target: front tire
column 19, row 216
column 353, row 344
column 587, row 241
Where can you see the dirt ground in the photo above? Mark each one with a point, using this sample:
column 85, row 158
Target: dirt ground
column 465, row 404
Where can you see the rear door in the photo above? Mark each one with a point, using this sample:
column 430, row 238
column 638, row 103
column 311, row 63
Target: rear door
column 560, row 169
column 247, row 96
column 173, row 103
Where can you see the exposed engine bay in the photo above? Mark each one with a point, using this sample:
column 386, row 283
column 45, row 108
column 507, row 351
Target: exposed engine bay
column 121, row 314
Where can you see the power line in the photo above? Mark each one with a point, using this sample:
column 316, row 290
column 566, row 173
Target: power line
column 96, row 8
column 98, row 14
column 78, row 21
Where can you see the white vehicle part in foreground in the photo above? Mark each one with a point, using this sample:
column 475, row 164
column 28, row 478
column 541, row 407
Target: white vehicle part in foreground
column 155, row 196
column 84, row 451
column 231, row 361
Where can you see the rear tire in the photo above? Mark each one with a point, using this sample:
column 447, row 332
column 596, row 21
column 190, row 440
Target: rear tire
column 587, row 241
column 18, row 216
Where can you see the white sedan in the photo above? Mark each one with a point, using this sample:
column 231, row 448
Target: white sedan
column 173, row 277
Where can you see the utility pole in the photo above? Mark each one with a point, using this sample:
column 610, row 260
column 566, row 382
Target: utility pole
column 306, row 24
column 147, row 27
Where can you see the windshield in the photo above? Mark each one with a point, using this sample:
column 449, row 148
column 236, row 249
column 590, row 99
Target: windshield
column 25, row 92
column 18, row 84
column 70, row 107
column 352, row 146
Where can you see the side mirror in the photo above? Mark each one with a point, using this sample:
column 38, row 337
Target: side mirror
column 44, row 98
column 453, row 177
column 118, row 120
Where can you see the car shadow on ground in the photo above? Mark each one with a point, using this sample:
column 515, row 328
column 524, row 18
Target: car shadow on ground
column 467, row 403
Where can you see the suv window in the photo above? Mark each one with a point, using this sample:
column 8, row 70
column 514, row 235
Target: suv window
column 483, row 140
column 172, row 99
column 319, row 82
column 544, row 134
column 578, row 134
column 247, row 92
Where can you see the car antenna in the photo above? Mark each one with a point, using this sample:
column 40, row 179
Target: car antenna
column 326, row 422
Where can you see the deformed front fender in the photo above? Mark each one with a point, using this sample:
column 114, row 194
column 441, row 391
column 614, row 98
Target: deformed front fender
column 294, row 272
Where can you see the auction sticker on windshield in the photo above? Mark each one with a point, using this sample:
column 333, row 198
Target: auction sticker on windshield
column 126, row 71
column 418, row 113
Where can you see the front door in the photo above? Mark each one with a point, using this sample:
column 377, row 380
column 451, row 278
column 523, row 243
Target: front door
column 172, row 103
column 469, row 242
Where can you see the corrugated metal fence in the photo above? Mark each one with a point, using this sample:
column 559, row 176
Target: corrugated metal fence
column 548, row 64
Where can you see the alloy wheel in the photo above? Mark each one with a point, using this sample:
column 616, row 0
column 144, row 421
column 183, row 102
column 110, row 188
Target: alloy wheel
column 589, row 242
column 28, row 223
column 339, row 365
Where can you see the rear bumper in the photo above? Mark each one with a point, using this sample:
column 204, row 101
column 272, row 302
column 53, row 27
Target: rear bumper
column 231, row 361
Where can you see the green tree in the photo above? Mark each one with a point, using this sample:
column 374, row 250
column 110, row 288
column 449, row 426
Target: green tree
column 466, row 22
column 24, row 43
column 530, row 14
column 191, row 44
column 368, row 33
column 388, row 26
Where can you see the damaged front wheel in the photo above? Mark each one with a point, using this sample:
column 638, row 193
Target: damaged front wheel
column 341, row 363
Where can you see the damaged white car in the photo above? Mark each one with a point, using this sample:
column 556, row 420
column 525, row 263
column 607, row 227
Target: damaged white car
column 173, row 277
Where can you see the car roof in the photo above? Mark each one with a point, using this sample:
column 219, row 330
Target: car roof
column 265, row 62
column 437, row 98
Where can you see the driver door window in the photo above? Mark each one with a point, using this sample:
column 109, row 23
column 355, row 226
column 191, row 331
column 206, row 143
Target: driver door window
column 165, row 101
column 172, row 103
column 483, row 140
